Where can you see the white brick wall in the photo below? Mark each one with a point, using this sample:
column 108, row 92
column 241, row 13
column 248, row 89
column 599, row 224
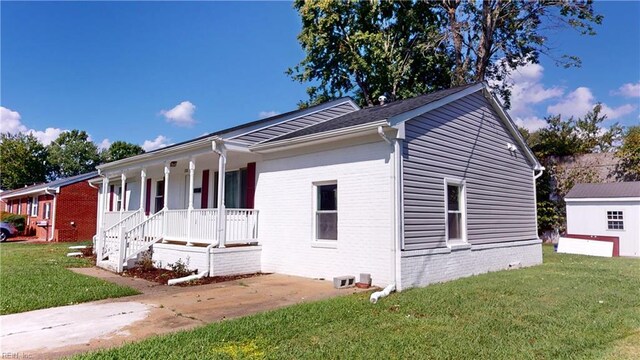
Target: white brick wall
column 236, row 260
column 165, row 254
column 284, row 197
column 424, row 267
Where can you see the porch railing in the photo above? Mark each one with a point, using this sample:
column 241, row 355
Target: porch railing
column 142, row 236
column 176, row 224
column 113, row 217
column 204, row 225
column 241, row 226
column 111, row 234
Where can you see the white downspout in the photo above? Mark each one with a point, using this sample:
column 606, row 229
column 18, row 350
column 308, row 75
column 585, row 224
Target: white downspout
column 53, row 214
column 535, row 194
column 218, row 148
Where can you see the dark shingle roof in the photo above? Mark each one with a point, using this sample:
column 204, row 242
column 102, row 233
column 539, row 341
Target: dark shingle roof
column 609, row 190
column 52, row 184
column 374, row 113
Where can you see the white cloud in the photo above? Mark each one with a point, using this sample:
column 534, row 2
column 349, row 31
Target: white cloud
column 580, row 101
column 531, row 123
column 527, row 90
column 628, row 90
column 159, row 142
column 266, row 114
column 48, row 136
column 181, row 114
column 10, row 121
column 104, row 144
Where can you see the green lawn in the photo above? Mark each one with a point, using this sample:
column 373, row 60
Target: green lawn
column 572, row 307
column 34, row 276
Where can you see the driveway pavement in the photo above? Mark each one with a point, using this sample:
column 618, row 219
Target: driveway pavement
column 66, row 330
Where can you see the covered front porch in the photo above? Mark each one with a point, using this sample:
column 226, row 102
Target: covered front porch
column 202, row 198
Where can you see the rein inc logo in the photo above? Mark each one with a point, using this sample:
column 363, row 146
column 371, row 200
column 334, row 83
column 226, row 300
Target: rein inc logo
column 16, row 355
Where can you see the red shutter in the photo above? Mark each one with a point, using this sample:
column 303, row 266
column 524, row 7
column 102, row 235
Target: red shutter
column 204, row 194
column 147, row 200
column 124, row 197
column 251, row 184
column 111, row 188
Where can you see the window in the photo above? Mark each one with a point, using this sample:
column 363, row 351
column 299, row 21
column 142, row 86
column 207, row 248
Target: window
column 455, row 211
column 119, row 201
column 615, row 220
column 34, row 206
column 47, row 211
column 326, row 211
column 159, row 195
column 10, row 206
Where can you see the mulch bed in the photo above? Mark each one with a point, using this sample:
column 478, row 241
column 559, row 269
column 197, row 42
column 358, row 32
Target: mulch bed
column 162, row 276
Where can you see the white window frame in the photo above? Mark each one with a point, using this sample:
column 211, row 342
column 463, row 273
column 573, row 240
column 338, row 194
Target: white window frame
column 617, row 218
column 47, row 211
column 34, row 206
column 326, row 243
column 463, row 210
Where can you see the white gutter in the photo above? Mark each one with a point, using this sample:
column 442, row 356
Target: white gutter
column 30, row 192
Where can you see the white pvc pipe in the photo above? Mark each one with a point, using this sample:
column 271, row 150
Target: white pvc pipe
column 380, row 294
column 187, row 278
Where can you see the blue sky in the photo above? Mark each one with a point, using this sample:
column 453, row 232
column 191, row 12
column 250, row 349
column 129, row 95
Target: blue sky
column 159, row 73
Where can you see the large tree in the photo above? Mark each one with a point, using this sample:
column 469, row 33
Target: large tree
column 366, row 49
column 628, row 168
column 23, row 161
column 72, row 153
column 403, row 48
column 120, row 150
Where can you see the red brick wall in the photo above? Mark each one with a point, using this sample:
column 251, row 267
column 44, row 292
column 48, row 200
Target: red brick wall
column 77, row 204
column 31, row 226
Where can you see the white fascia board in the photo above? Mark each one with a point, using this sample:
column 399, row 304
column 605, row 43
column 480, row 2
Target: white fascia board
column 513, row 129
column 400, row 118
column 155, row 156
column 321, row 107
column 328, row 136
column 41, row 191
column 602, row 200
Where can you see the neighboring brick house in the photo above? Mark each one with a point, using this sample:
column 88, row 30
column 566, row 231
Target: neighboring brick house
column 61, row 210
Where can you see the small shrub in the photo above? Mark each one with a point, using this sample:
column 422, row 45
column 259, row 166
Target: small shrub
column 19, row 221
column 145, row 261
column 181, row 268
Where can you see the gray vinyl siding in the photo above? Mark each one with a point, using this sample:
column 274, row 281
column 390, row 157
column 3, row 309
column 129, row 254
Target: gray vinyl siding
column 289, row 126
column 465, row 140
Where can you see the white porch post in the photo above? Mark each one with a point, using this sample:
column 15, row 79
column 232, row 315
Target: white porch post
column 222, row 163
column 166, row 201
column 103, row 209
column 192, row 168
column 123, row 193
column 143, row 188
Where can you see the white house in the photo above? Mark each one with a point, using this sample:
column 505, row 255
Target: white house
column 611, row 209
column 413, row 192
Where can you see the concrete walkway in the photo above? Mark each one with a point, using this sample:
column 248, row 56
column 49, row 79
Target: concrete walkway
column 62, row 331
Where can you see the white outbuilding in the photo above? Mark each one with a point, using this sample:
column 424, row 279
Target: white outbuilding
column 611, row 209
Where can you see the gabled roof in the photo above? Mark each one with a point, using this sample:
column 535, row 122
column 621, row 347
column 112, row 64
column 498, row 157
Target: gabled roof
column 608, row 190
column 374, row 113
column 53, row 185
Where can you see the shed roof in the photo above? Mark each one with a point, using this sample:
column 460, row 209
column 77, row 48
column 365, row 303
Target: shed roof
column 53, row 184
column 608, row 190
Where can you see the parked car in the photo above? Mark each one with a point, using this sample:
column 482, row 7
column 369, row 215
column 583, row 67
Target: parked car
column 7, row 230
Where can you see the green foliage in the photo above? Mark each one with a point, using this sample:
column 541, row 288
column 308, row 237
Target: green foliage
column 19, row 221
column 488, row 39
column 35, row 276
column 403, row 48
column 23, row 161
column 145, row 261
column 367, row 49
column 181, row 268
column 72, row 154
column 628, row 168
column 570, row 307
column 120, row 150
